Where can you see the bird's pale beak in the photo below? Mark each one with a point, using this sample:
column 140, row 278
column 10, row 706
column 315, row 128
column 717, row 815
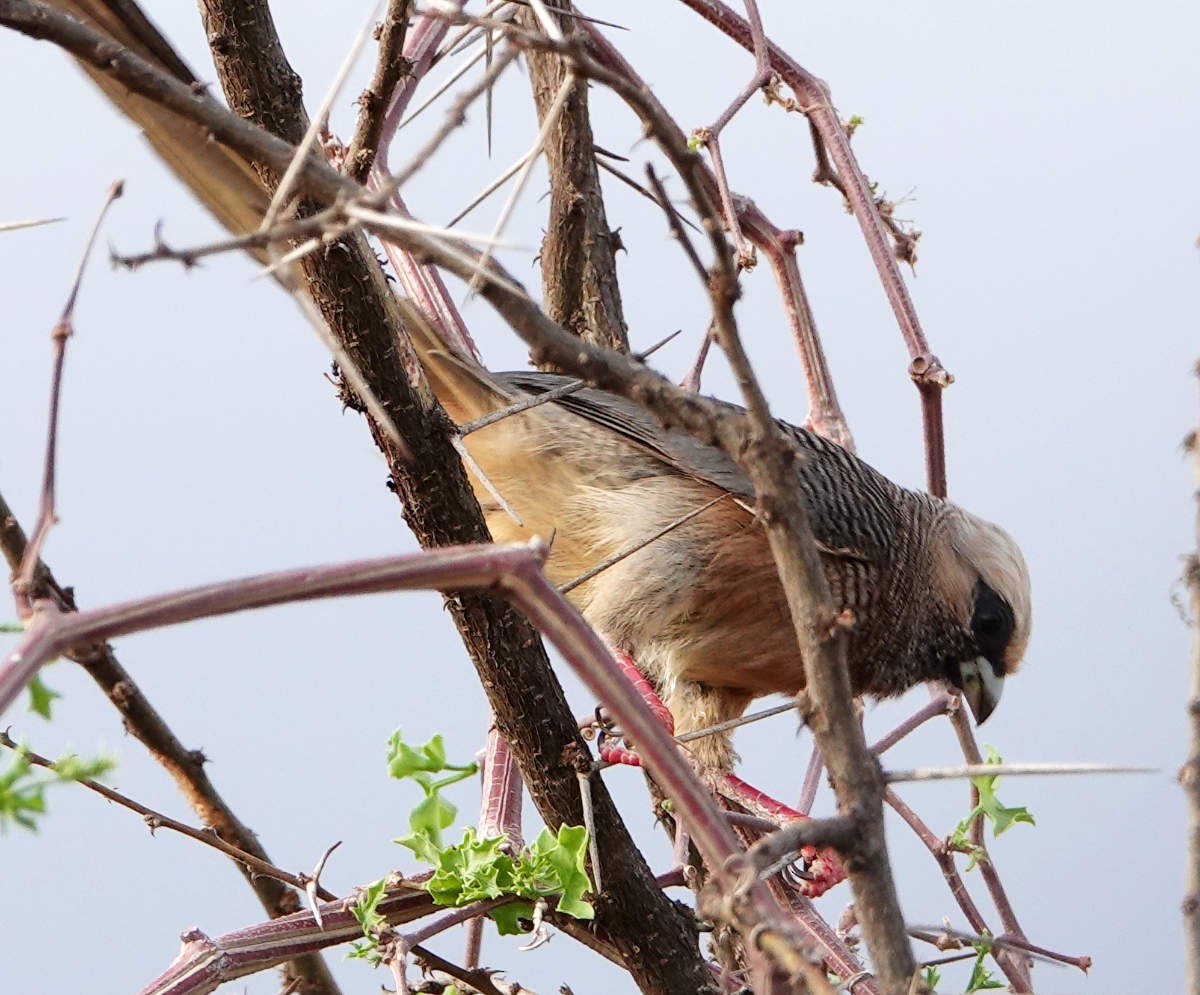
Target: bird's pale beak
column 981, row 687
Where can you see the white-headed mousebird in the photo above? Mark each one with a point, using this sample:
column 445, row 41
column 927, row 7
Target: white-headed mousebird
column 930, row 591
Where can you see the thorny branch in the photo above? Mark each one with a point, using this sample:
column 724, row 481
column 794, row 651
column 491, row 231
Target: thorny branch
column 157, row 820
column 1189, row 774
column 63, row 329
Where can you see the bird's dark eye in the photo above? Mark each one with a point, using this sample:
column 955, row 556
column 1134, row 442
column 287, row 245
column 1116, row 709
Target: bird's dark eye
column 991, row 622
column 988, row 625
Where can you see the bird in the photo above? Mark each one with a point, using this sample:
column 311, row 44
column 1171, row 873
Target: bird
column 927, row 590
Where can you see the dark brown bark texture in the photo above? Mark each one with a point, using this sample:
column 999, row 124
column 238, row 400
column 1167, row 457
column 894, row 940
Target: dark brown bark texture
column 579, row 269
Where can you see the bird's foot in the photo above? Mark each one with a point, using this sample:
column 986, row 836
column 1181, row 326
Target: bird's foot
column 610, row 748
column 820, row 869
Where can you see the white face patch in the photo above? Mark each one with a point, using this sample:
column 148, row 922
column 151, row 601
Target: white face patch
column 993, row 556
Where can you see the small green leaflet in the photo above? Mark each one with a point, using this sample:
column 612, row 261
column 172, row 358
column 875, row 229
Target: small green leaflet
column 433, row 813
column 40, row 696
column 981, row 977
column 23, row 786
column 1002, row 817
column 366, row 911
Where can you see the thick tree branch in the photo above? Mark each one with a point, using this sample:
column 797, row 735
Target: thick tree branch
column 579, row 272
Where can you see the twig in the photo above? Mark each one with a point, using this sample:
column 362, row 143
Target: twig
column 525, row 404
column 589, row 823
column 1014, row 967
column 711, row 136
column 946, row 938
column 987, row 770
column 470, row 975
column 156, row 820
column 941, row 703
column 312, row 885
column 6, row 226
column 580, row 285
column 318, row 124
column 492, row 186
column 812, row 781
column 503, row 789
column 63, row 329
column 1189, row 774
column 204, row 963
column 523, row 174
column 945, row 860
column 455, row 917
column 390, row 69
column 925, row 369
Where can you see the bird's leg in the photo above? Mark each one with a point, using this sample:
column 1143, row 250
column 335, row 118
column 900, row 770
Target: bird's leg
column 616, row 754
column 823, row 868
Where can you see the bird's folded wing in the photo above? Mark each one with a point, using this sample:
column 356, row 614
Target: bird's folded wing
column 690, row 457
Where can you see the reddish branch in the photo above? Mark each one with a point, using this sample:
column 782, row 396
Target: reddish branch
column 816, row 102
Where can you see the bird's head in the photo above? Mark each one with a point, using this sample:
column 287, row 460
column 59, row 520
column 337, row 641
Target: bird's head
column 986, row 583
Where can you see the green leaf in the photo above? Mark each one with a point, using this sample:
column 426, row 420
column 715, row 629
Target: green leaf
column 23, row 787
column 22, row 794
column 1002, row 817
column 431, row 815
column 981, row 978
column 561, row 861
column 427, row 820
column 478, row 869
column 931, row 977
column 475, row 869
column 70, row 767
column 405, row 760
column 508, row 918
column 366, row 911
column 412, row 761
column 40, row 696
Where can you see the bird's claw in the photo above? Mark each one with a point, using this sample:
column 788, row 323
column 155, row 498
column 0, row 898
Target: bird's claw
column 823, row 869
column 612, row 751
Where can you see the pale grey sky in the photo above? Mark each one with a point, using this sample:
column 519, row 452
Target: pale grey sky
column 1049, row 154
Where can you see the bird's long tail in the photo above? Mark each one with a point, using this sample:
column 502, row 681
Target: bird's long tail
column 467, row 391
